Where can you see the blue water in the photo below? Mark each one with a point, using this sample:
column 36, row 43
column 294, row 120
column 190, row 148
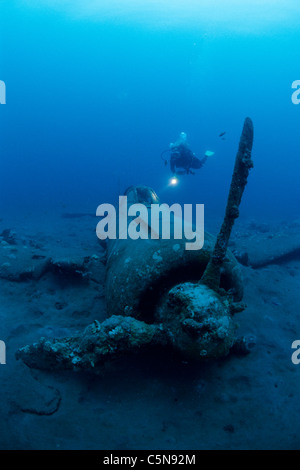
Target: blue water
column 95, row 91
column 94, row 94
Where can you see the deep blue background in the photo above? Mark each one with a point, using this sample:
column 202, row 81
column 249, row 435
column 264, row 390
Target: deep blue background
column 91, row 104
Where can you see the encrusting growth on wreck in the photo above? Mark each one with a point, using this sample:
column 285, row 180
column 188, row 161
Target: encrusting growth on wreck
column 243, row 165
column 159, row 293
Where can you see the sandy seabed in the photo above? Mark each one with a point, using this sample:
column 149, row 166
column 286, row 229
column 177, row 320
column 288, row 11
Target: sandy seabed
column 145, row 402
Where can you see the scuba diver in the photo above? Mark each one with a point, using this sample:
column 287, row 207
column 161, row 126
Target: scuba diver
column 183, row 161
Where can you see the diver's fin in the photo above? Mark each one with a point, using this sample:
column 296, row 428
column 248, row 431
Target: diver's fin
column 209, row 153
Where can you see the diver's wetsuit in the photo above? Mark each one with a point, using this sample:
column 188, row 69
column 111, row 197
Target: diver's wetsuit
column 183, row 157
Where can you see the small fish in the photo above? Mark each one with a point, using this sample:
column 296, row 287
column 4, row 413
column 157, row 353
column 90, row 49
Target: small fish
column 222, row 133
